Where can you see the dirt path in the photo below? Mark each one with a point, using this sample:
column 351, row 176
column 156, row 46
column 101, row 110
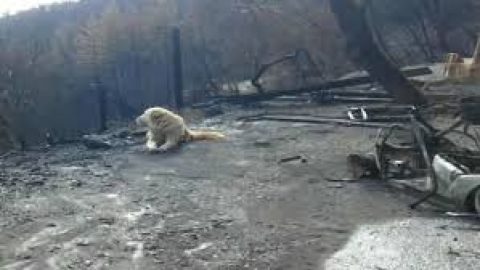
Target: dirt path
column 224, row 205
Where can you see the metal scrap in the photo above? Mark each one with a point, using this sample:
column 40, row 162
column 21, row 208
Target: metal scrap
column 449, row 170
column 381, row 113
column 294, row 158
column 317, row 120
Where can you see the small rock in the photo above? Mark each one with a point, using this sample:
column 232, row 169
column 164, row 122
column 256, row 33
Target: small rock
column 159, row 261
column 262, row 143
column 51, row 225
column 35, row 169
column 26, row 256
column 83, row 243
column 96, row 142
column 107, row 220
column 99, row 174
column 76, row 183
column 260, row 250
column 443, row 227
column 453, row 252
column 102, row 255
column 36, row 182
column 335, row 185
column 54, row 248
column 88, row 263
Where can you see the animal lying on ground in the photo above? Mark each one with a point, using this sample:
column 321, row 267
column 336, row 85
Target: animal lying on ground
column 167, row 130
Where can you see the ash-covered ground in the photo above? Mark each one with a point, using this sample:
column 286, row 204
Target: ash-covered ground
column 228, row 205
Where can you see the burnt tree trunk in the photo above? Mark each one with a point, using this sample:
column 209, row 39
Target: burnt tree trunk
column 177, row 68
column 102, row 105
column 364, row 51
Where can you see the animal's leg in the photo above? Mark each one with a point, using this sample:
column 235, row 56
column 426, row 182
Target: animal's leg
column 171, row 142
column 151, row 144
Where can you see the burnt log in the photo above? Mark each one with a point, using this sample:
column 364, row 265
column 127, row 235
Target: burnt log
column 346, row 82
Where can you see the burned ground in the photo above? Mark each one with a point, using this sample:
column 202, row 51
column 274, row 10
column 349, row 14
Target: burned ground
column 228, row 205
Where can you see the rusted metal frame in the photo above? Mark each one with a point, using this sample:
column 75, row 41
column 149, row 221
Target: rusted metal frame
column 380, row 145
column 431, row 173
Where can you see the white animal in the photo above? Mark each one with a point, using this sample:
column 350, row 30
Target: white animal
column 167, row 130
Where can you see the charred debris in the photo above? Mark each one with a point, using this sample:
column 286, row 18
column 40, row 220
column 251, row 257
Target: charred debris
column 410, row 152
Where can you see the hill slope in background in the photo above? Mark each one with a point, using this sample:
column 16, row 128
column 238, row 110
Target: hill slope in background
column 49, row 57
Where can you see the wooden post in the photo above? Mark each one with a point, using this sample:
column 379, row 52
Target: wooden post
column 476, row 54
column 177, row 68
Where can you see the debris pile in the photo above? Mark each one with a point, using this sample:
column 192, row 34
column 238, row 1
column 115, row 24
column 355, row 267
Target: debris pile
column 327, row 91
column 423, row 154
column 458, row 68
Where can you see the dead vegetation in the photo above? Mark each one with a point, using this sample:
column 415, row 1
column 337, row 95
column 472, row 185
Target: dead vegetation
column 311, row 160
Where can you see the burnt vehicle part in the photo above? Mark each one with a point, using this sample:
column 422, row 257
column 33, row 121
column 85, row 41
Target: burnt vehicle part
column 451, row 171
column 456, row 183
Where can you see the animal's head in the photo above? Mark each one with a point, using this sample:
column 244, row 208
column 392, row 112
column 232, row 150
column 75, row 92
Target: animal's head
column 152, row 117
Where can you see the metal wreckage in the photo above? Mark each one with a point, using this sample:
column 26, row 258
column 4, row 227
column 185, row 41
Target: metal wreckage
column 412, row 152
column 408, row 148
column 421, row 156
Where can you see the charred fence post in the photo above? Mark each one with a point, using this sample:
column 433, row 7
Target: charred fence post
column 177, row 68
column 101, row 93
